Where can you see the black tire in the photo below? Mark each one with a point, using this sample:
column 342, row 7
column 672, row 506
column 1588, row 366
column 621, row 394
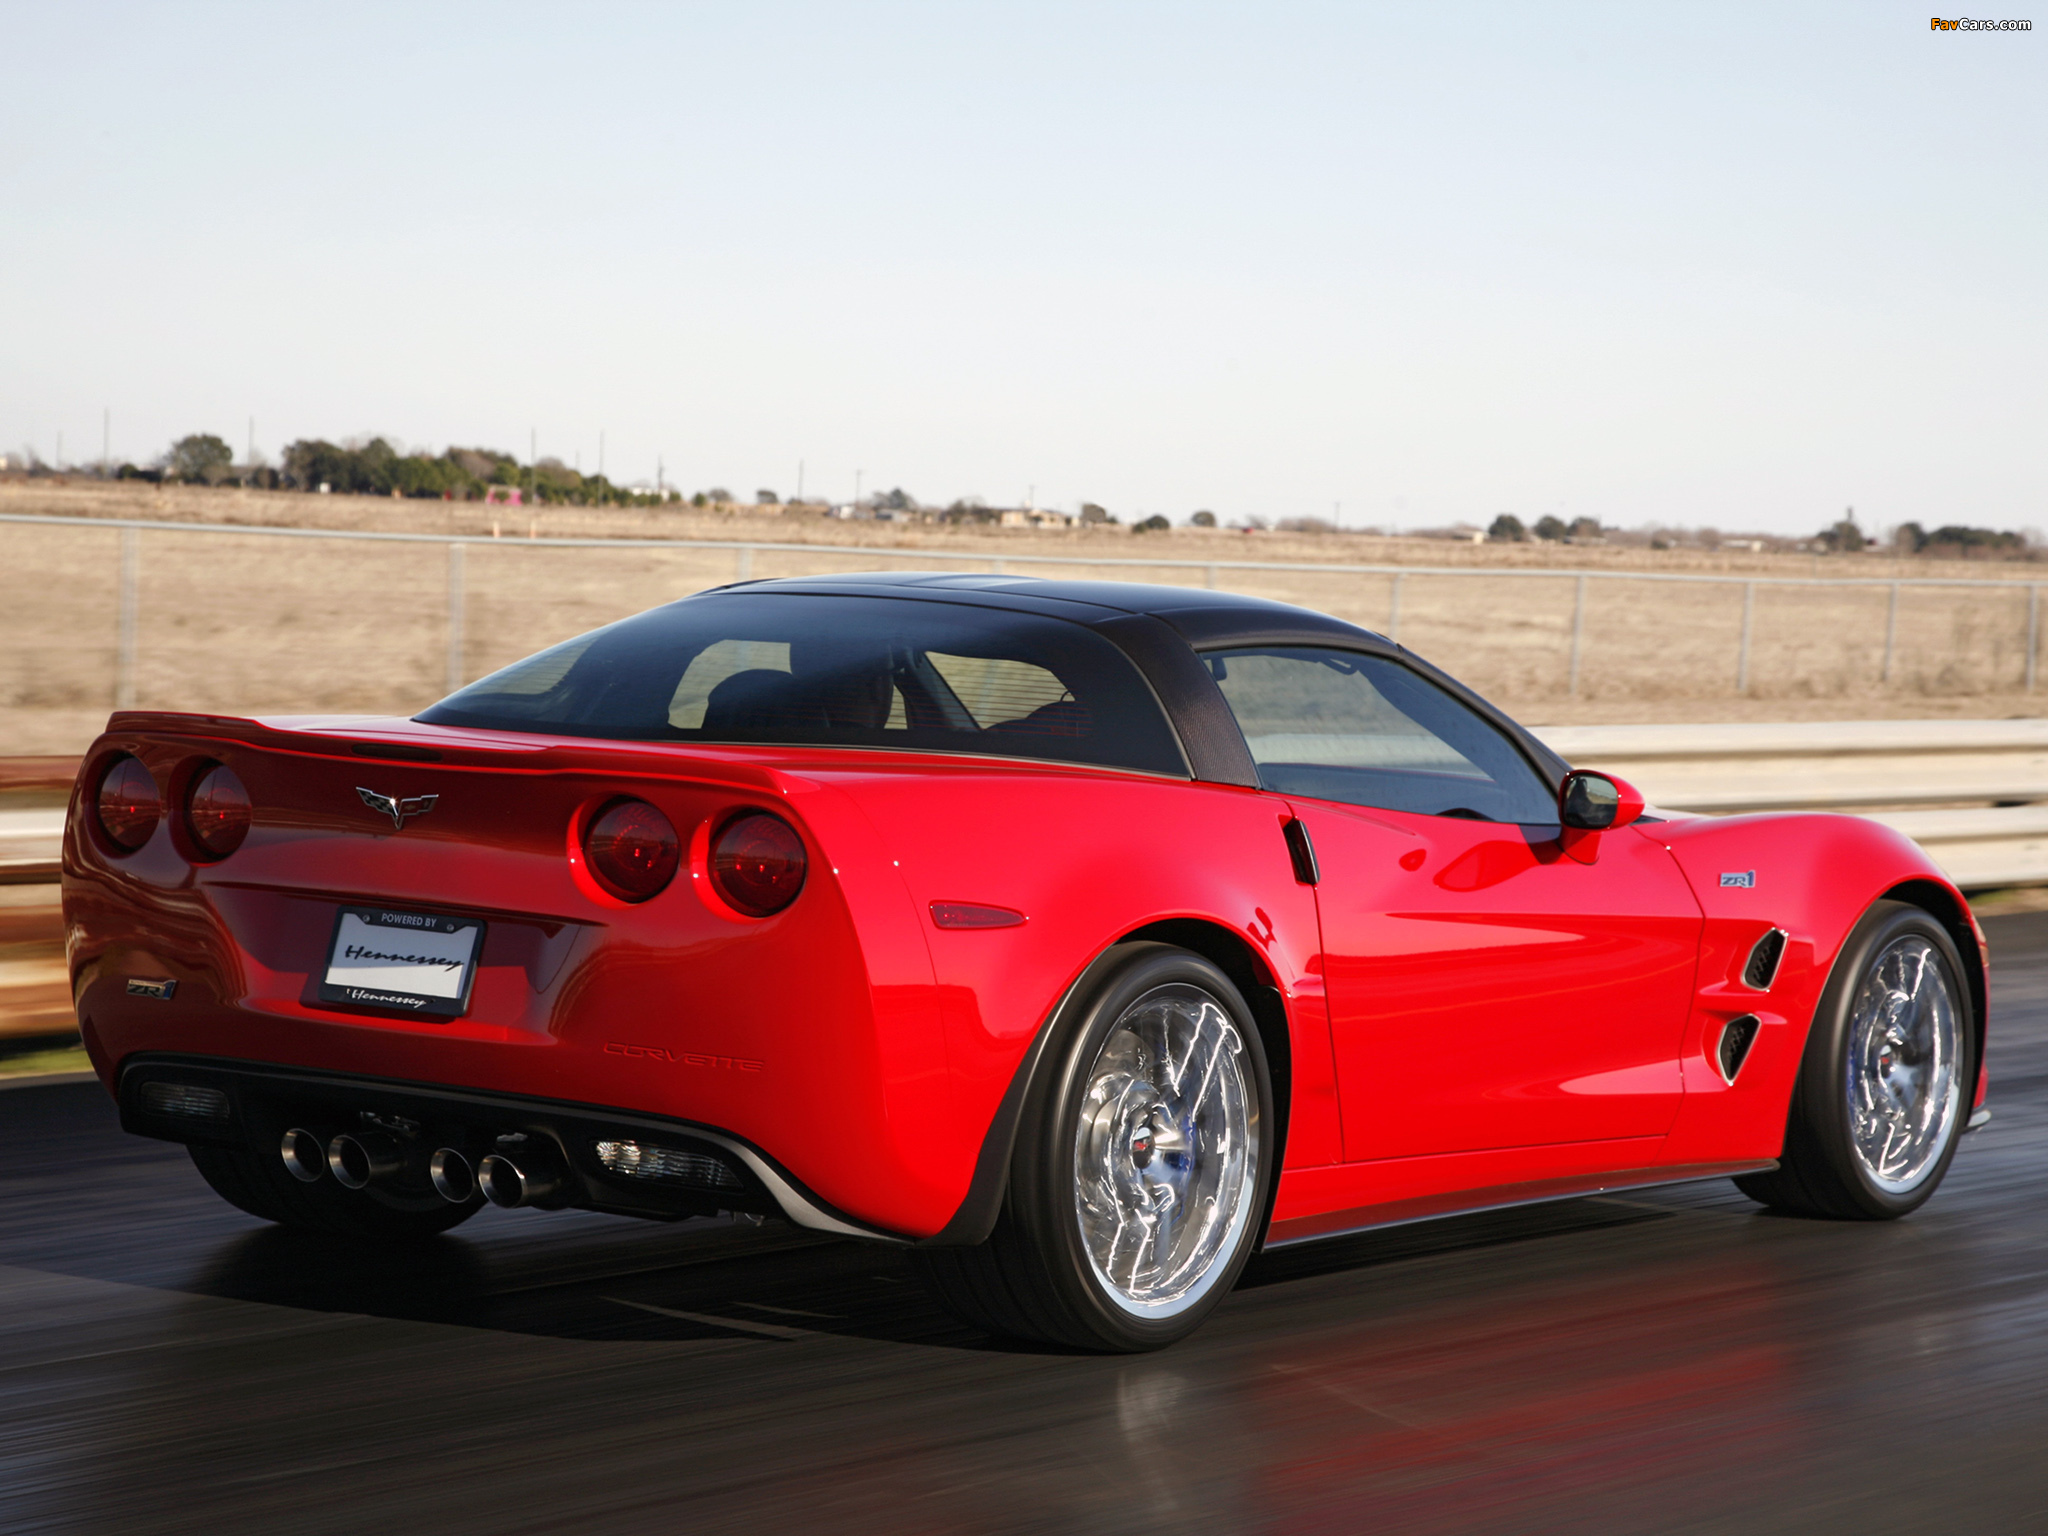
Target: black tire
column 264, row 1188
column 1820, row 1172
column 1034, row 1277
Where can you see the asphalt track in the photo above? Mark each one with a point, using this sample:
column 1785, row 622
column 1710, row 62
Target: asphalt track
column 1673, row 1361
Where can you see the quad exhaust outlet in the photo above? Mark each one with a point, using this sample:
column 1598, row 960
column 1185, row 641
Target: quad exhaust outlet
column 521, row 1170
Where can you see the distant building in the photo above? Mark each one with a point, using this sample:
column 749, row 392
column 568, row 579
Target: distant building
column 1034, row 517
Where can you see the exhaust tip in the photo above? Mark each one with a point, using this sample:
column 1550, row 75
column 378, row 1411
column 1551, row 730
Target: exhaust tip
column 501, row 1181
column 304, row 1158
column 531, row 1176
column 356, row 1159
column 454, row 1180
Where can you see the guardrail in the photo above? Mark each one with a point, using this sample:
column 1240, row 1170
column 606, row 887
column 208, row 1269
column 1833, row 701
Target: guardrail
column 1973, row 793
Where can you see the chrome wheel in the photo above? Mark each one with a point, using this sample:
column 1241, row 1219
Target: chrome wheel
column 1166, row 1151
column 1903, row 1080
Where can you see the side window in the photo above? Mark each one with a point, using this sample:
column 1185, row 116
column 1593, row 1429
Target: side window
column 1337, row 725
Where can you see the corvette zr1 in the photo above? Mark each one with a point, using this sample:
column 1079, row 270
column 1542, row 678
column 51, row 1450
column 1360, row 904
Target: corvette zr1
column 1080, row 938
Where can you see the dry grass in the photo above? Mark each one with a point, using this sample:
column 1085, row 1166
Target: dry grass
column 249, row 624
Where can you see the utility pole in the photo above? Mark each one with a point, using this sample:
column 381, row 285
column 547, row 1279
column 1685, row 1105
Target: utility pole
column 856, row 486
column 106, row 439
column 600, row 453
column 799, row 479
column 660, row 476
column 252, row 443
column 533, row 464
column 60, row 452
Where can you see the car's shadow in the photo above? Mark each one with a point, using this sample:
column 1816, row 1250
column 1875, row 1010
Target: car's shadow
column 714, row 1281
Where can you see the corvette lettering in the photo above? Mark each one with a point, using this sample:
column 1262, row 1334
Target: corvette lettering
column 684, row 1058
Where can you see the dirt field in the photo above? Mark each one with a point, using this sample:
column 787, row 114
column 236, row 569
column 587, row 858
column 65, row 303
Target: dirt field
column 245, row 623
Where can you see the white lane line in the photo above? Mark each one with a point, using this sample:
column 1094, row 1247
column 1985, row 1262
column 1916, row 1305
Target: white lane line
column 737, row 1325
column 762, row 1306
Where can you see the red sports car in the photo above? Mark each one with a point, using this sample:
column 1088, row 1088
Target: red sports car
column 1079, row 937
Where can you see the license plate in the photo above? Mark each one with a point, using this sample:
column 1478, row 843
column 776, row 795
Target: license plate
column 408, row 962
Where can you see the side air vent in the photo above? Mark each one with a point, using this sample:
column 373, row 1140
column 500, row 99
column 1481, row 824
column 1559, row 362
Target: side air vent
column 1762, row 968
column 1737, row 1036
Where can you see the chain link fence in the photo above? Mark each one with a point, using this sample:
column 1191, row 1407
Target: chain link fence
column 105, row 613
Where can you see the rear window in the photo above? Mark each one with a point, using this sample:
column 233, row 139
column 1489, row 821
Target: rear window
column 836, row 671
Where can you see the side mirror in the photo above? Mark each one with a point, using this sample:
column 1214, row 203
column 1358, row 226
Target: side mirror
column 1596, row 802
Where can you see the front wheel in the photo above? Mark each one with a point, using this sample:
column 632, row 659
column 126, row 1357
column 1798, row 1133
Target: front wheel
column 1140, row 1172
column 1885, row 1085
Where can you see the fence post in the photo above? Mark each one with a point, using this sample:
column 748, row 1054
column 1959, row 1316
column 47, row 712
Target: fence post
column 1578, row 632
column 1394, row 609
column 746, row 563
column 1742, row 658
column 2033, row 633
column 130, row 605
column 455, row 596
column 1891, row 632
column 1209, row 577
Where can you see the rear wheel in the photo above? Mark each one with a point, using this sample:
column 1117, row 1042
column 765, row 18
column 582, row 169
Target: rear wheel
column 1140, row 1171
column 1884, row 1088
column 262, row 1186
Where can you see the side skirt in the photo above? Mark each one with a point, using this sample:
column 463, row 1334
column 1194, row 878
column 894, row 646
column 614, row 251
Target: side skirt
column 1463, row 1202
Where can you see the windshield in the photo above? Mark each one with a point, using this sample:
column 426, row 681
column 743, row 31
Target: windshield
column 836, row 671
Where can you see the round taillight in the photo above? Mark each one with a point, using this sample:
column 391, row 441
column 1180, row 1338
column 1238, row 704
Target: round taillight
column 217, row 815
column 633, row 850
column 128, row 804
column 758, row 863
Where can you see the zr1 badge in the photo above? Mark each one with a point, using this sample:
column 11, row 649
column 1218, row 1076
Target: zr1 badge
column 1738, row 879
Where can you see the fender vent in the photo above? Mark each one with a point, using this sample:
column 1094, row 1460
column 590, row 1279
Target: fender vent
column 1762, row 968
column 1737, row 1036
column 1300, row 850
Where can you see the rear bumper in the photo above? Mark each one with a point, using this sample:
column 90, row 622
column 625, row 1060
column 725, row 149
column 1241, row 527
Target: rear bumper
column 253, row 1103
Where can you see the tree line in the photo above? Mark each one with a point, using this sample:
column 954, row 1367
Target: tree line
column 1841, row 537
column 376, row 468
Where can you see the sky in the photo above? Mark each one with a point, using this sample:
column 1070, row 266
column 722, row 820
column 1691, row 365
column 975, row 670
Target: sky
column 1730, row 265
